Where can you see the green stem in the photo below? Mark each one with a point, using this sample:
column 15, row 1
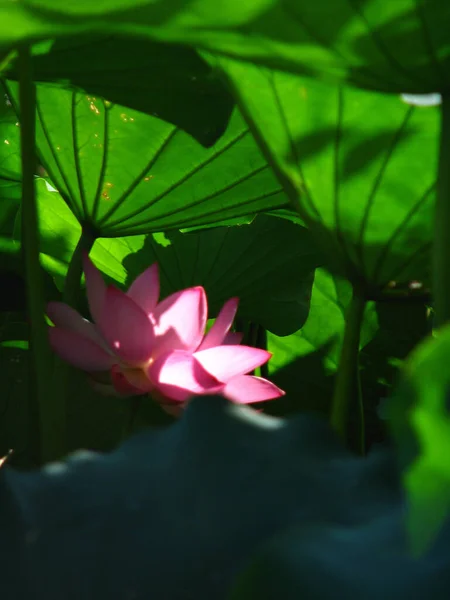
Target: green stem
column 347, row 391
column 441, row 238
column 62, row 371
column 43, row 405
column 73, row 278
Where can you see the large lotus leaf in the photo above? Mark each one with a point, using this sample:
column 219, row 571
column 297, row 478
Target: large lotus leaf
column 326, row 561
column 164, row 80
column 11, row 260
column 246, row 220
column 394, row 46
column 28, row 21
column 124, row 172
column 360, row 164
column 268, row 264
column 11, row 264
column 175, row 513
column 420, row 421
column 60, row 232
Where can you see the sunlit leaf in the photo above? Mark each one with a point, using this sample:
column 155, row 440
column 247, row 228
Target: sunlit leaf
column 399, row 46
column 123, row 172
column 163, row 80
column 360, row 164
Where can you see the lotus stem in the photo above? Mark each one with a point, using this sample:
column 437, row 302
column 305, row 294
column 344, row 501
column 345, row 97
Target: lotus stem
column 441, row 238
column 47, row 415
column 72, row 284
column 347, row 391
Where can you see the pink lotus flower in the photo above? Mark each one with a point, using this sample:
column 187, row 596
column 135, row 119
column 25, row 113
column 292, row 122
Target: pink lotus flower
column 158, row 348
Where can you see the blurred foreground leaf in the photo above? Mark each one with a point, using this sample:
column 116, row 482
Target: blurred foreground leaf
column 175, row 513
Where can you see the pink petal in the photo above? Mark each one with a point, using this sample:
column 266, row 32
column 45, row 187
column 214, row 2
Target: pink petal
column 126, row 328
column 79, row 351
column 145, row 289
column 65, row 317
column 180, row 320
column 95, row 287
column 129, row 382
column 221, row 326
column 233, row 338
column 246, row 389
column 177, row 375
column 226, row 362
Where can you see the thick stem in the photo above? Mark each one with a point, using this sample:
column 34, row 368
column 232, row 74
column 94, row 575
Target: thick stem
column 73, row 277
column 347, row 391
column 44, row 406
column 441, row 241
column 62, row 371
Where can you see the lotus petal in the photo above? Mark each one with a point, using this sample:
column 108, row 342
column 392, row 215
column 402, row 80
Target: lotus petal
column 221, row 325
column 180, row 320
column 178, row 376
column 246, row 389
column 126, row 328
column 65, row 317
column 226, row 362
column 145, row 289
column 79, row 351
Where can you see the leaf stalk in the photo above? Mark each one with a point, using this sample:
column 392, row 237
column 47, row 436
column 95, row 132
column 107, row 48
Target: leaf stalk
column 347, row 391
column 441, row 238
column 47, row 431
